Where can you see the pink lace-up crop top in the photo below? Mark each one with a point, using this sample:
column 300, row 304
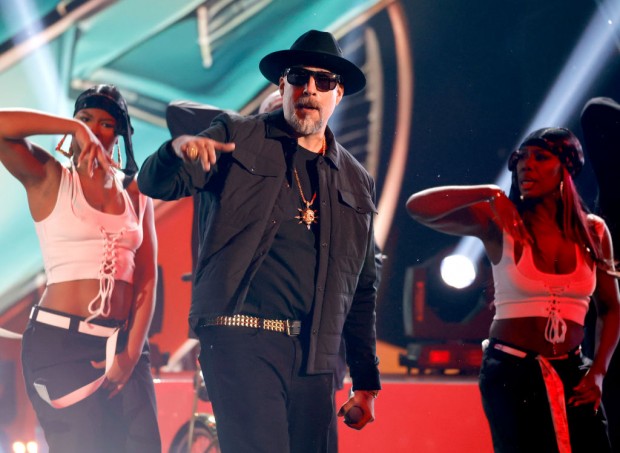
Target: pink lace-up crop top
column 79, row 242
column 521, row 290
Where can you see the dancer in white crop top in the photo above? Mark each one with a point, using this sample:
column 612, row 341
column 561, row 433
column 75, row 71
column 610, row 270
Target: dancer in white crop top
column 98, row 242
column 549, row 259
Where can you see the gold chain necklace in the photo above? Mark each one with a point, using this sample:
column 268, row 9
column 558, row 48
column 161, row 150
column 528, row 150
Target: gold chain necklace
column 307, row 215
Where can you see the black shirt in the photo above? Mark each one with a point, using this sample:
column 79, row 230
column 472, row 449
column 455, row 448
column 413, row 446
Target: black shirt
column 283, row 286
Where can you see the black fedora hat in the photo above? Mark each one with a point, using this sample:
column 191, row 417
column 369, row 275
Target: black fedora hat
column 314, row 48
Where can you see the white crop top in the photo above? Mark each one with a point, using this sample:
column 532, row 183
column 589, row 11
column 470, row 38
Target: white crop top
column 521, row 290
column 79, row 242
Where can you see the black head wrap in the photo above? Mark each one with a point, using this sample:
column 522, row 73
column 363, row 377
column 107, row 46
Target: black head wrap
column 557, row 140
column 108, row 98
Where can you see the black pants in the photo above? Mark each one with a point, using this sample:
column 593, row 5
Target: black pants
column 60, row 359
column 515, row 403
column 262, row 399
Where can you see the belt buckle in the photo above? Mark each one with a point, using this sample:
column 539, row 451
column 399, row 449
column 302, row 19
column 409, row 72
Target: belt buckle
column 293, row 328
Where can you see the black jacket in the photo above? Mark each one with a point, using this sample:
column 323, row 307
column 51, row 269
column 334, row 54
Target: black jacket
column 238, row 222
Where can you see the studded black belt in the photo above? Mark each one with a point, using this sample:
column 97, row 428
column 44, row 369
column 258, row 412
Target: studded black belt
column 289, row 327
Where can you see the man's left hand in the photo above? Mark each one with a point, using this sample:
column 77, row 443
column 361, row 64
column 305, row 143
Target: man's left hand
column 359, row 409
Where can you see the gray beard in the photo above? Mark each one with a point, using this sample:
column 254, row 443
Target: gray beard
column 304, row 127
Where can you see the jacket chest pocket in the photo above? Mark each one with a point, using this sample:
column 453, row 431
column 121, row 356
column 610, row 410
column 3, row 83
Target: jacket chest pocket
column 352, row 225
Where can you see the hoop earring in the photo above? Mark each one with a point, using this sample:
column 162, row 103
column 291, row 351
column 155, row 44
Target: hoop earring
column 118, row 153
column 59, row 149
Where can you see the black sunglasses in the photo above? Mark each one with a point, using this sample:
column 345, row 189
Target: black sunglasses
column 324, row 81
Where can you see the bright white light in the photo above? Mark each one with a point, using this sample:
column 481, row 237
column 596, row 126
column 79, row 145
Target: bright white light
column 28, row 447
column 458, row 271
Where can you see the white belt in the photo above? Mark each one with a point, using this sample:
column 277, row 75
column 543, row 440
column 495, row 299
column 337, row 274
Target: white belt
column 9, row 334
column 510, row 350
column 64, row 322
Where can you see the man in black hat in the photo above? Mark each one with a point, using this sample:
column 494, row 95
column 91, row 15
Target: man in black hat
column 288, row 264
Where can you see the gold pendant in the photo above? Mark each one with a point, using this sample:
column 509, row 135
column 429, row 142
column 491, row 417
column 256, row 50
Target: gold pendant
column 307, row 216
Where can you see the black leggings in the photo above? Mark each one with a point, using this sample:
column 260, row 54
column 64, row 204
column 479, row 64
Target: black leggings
column 60, row 359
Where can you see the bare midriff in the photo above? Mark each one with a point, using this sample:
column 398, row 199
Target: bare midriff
column 73, row 297
column 529, row 334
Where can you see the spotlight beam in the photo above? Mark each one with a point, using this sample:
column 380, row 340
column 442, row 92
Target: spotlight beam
column 39, row 36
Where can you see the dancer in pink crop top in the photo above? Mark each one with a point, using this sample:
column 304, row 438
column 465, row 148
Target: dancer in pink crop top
column 549, row 259
column 84, row 353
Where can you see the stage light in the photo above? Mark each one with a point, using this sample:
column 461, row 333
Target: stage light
column 27, row 447
column 458, row 271
column 439, row 356
column 445, row 323
column 596, row 46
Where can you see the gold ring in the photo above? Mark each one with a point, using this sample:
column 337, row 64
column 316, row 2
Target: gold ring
column 192, row 152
